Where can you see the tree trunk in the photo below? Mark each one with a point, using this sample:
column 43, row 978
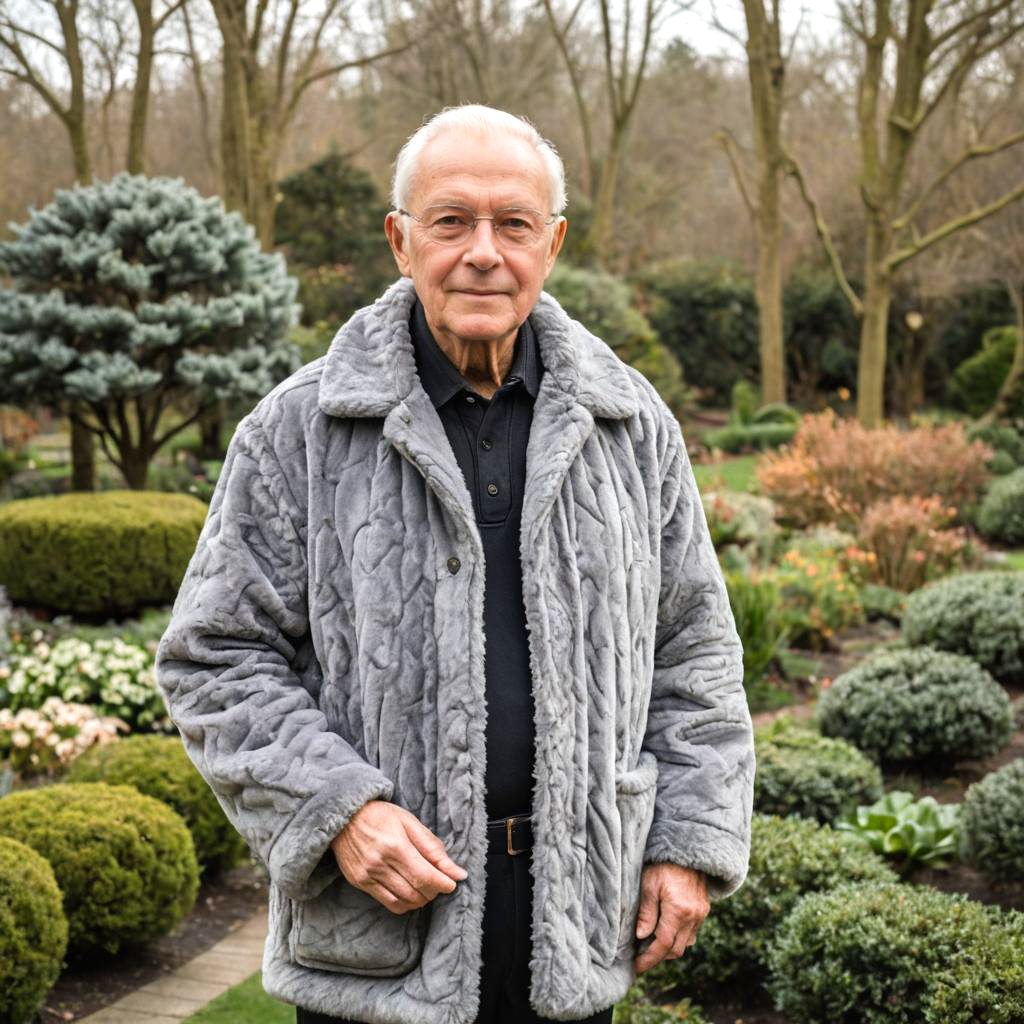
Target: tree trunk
column 874, row 328
column 1011, row 393
column 135, row 467
column 235, row 127
column 768, row 289
column 136, row 162
column 83, row 457
column 598, row 238
column 210, row 430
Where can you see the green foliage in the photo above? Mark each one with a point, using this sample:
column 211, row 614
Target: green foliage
column 103, row 553
column 759, row 623
column 1003, row 438
column 788, row 858
column 742, row 519
column 736, row 437
column 1001, row 516
column 744, row 401
column 882, row 602
column 980, row 614
column 604, row 305
column 888, row 953
column 918, row 705
column 776, row 412
column 638, row 1007
column 801, row 772
column 124, row 862
column 992, row 823
column 139, row 290
column 976, row 381
column 159, row 767
column 707, row 317
column 914, row 832
column 33, row 931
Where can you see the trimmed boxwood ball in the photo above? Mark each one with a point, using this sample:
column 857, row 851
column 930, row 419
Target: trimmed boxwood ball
column 801, row 772
column 992, row 823
column 159, row 767
column 124, row 862
column 888, row 953
column 788, row 857
column 918, row 705
column 1001, row 516
column 110, row 552
column 980, row 614
column 33, row 931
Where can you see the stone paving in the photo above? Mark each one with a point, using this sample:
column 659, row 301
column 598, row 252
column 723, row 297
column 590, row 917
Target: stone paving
column 174, row 997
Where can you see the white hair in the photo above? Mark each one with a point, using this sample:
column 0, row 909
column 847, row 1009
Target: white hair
column 480, row 120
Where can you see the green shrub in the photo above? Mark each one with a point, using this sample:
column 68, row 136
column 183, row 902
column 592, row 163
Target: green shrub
column 124, row 862
column 159, row 767
column 980, row 614
column 885, row 953
column 801, row 772
column 1002, row 438
column 33, row 931
column 917, row 704
column 739, row 437
column 637, row 1007
column 91, row 553
column 977, row 380
column 776, row 412
column 788, row 857
column 736, row 517
column 1001, row 516
column 744, row 401
column 755, row 609
column 992, row 823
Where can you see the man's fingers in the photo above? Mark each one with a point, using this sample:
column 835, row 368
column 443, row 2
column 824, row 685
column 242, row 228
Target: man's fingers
column 433, row 850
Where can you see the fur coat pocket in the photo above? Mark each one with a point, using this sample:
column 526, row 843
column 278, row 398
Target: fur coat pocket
column 345, row 929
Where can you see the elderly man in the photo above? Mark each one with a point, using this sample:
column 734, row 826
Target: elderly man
column 454, row 651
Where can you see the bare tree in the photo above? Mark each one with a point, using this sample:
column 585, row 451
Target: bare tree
column 933, row 48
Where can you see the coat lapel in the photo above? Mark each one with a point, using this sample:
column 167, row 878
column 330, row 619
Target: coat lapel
column 370, row 370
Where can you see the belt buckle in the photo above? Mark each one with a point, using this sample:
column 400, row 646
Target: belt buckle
column 508, row 832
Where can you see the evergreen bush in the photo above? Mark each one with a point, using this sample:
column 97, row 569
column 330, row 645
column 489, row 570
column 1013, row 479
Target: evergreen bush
column 788, row 858
column 98, row 553
column 887, row 953
column 992, row 823
column 917, row 705
column 979, row 614
column 976, row 381
column 735, row 438
column 1002, row 438
column 801, row 772
column 159, row 767
column 124, row 862
column 33, row 931
column 1001, row 516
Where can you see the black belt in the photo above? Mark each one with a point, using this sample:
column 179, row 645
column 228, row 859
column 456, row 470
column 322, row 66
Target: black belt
column 510, row 835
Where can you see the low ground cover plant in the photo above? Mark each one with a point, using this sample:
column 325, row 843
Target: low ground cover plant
column 1001, row 515
column 124, row 862
column 917, row 705
column 992, row 823
column 801, row 772
column 978, row 614
column 910, row 832
column 885, row 953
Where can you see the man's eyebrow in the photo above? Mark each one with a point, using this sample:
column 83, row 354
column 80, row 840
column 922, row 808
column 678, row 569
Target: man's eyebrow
column 466, row 205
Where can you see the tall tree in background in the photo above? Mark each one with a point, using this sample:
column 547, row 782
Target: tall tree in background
column 766, row 70
column 266, row 69
column 933, row 48
column 625, row 37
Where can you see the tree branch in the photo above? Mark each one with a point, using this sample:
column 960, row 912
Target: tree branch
column 725, row 139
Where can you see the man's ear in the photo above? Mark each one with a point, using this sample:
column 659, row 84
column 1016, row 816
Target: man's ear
column 394, row 228
column 557, row 238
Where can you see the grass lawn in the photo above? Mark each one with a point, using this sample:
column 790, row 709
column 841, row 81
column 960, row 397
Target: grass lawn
column 1015, row 560
column 737, row 474
column 245, row 1002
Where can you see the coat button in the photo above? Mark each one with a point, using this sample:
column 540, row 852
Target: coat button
column 486, row 444
column 454, row 565
column 492, row 489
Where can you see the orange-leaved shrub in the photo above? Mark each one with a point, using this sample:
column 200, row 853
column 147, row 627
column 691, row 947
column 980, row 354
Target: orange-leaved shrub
column 835, row 469
column 911, row 541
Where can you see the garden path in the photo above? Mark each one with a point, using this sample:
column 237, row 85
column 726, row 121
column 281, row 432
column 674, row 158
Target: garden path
column 174, row 997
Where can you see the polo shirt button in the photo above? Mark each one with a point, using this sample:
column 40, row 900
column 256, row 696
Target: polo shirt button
column 454, row 565
column 486, row 444
column 470, row 398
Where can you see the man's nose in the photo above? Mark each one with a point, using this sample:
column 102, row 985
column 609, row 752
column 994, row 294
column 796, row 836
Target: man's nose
column 483, row 251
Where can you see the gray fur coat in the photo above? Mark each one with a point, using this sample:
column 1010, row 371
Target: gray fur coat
column 323, row 653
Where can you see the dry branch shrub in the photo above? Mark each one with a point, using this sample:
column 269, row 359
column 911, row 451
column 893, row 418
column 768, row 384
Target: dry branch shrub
column 835, row 469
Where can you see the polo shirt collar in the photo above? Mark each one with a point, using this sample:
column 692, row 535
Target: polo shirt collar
column 438, row 374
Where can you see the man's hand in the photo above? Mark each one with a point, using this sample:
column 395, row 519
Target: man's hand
column 676, row 899
column 388, row 852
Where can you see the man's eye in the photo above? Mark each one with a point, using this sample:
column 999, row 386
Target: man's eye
column 515, row 223
column 451, row 220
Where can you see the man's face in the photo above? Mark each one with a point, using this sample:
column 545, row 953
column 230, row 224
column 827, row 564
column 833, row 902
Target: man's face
column 481, row 289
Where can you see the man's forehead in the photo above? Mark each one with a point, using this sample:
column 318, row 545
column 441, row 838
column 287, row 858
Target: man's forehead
column 503, row 168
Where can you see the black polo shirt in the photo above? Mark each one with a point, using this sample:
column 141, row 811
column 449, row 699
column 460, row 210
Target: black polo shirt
column 488, row 437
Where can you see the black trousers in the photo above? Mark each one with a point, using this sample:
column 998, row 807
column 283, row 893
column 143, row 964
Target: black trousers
column 505, row 976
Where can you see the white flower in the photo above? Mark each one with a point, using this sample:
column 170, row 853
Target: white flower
column 21, row 739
